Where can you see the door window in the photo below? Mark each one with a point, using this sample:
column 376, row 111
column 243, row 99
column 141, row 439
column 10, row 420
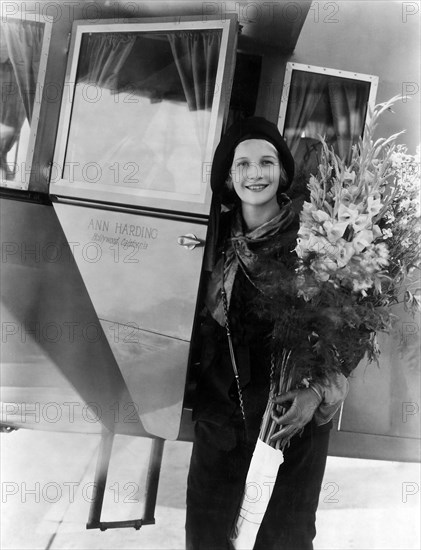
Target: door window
column 144, row 110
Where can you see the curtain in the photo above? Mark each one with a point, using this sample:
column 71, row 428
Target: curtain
column 305, row 93
column 24, row 42
column 12, row 116
column 104, row 54
column 348, row 100
column 196, row 55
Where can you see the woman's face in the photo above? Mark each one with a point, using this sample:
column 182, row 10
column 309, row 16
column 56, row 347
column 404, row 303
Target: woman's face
column 255, row 172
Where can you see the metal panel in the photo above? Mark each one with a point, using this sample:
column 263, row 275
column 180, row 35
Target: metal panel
column 134, row 269
column 383, row 405
column 55, row 358
column 154, row 368
column 143, row 285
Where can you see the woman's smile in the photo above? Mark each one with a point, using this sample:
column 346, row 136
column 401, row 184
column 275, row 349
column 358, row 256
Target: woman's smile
column 256, row 187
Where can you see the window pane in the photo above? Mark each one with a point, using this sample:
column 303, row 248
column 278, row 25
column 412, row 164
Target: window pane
column 141, row 111
column 328, row 106
column 20, row 54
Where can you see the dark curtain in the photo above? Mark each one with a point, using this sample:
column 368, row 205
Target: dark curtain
column 348, row 102
column 196, row 55
column 103, row 55
column 305, row 93
column 23, row 41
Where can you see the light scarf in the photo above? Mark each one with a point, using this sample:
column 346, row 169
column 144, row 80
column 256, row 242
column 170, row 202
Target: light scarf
column 243, row 249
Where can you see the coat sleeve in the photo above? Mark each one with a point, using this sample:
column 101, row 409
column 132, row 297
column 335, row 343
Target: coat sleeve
column 333, row 392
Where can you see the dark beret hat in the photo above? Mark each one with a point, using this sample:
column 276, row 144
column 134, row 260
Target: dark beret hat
column 248, row 128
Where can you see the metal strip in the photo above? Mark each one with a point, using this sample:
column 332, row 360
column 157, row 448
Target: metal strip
column 168, row 215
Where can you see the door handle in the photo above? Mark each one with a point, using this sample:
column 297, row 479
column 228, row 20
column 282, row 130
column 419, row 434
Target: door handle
column 189, row 241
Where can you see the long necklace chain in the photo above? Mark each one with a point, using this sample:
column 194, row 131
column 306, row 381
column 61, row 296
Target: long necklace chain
column 230, row 344
column 231, row 347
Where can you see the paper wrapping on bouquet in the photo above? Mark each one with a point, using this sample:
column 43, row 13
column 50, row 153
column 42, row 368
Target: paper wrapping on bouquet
column 260, row 480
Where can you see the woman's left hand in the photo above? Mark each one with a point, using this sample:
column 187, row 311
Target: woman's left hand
column 304, row 403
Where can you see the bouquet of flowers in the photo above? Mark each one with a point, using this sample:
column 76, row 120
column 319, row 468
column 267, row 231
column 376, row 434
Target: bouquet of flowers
column 357, row 247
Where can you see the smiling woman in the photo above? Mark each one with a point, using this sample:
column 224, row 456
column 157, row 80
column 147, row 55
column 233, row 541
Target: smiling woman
column 238, row 358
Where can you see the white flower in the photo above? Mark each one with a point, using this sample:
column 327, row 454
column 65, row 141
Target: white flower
column 396, row 159
column 334, row 231
column 345, row 253
column 361, row 285
column 404, row 204
column 362, row 240
column 387, row 233
column 347, row 214
column 304, row 232
column 373, row 206
column 323, row 267
column 362, row 222
column 318, row 244
column 382, row 254
column 314, row 181
column 300, row 249
column 320, row 216
column 308, row 242
column 377, row 233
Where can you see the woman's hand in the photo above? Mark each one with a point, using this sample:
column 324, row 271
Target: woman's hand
column 304, row 403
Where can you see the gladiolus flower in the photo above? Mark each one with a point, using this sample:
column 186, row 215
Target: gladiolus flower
column 317, row 244
column 362, row 222
column 362, row 240
column 304, row 232
column 347, row 214
column 377, row 232
column 323, row 267
column 373, row 206
column 345, row 253
column 335, row 231
column 320, row 216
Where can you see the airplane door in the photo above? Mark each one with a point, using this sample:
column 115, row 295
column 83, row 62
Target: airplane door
column 142, row 111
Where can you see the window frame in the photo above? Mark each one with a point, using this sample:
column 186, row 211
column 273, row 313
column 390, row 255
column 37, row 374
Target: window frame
column 28, row 174
column 290, row 67
column 120, row 195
